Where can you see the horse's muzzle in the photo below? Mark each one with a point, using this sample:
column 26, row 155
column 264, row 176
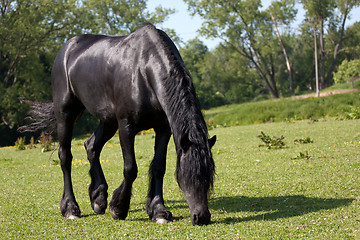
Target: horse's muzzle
column 200, row 217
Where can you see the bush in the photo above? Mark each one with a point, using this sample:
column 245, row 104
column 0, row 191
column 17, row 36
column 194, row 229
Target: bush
column 20, row 144
column 32, row 143
column 303, row 140
column 45, row 142
column 271, row 142
column 348, row 71
column 352, row 115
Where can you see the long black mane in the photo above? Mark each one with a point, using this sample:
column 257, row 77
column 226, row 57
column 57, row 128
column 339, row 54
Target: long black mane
column 187, row 123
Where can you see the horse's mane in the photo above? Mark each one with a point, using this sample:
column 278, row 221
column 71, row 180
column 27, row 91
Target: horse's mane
column 186, row 120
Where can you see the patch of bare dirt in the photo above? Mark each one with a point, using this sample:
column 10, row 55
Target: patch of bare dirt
column 329, row 93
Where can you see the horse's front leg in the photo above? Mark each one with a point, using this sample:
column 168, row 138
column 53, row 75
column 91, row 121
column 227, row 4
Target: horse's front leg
column 120, row 202
column 155, row 207
column 98, row 187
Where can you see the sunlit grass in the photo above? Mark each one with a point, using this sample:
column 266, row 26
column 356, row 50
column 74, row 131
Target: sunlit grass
column 286, row 109
column 258, row 192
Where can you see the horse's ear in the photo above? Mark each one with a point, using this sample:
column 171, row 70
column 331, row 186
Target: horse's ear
column 212, row 141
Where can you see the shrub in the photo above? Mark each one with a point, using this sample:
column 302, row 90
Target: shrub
column 348, row 71
column 271, row 142
column 302, row 155
column 20, row 144
column 45, row 142
column 354, row 114
column 31, row 144
column 303, row 140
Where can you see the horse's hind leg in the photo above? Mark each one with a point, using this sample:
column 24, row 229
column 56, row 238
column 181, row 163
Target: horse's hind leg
column 66, row 114
column 120, row 202
column 155, row 207
column 98, row 187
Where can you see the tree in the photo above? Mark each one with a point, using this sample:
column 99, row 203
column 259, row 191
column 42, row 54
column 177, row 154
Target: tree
column 245, row 28
column 351, row 42
column 337, row 36
column 32, row 32
column 226, row 78
column 120, row 17
column 26, row 28
column 334, row 13
column 193, row 54
column 29, row 32
column 284, row 12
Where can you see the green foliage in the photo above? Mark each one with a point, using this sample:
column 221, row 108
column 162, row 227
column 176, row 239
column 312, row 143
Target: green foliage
column 86, row 124
column 12, row 110
column 221, row 76
column 352, row 46
column 348, row 71
column 271, row 142
column 303, row 140
column 283, row 11
column 29, row 28
column 45, row 142
column 32, row 143
column 20, row 144
column 120, row 17
column 286, row 109
column 33, row 31
column 302, row 155
column 319, row 8
column 192, row 54
column 331, row 15
column 247, row 29
column 351, row 115
column 338, row 86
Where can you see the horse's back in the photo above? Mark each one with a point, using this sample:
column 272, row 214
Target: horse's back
column 107, row 74
column 78, row 73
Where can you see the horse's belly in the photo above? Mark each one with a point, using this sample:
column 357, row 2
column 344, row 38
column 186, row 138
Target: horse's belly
column 104, row 113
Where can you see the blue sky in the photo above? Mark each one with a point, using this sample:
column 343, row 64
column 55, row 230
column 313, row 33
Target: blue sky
column 186, row 26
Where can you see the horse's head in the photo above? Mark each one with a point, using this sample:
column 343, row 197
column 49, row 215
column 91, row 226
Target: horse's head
column 195, row 174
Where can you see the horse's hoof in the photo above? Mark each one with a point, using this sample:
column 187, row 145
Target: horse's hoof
column 98, row 198
column 70, row 209
column 72, row 217
column 113, row 214
column 97, row 209
column 116, row 215
column 162, row 220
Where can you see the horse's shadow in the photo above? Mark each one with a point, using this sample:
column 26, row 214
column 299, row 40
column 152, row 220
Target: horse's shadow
column 272, row 208
column 260, row 208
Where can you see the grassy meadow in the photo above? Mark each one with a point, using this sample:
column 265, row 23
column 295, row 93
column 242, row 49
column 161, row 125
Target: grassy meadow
column 285, row 109
column 299, row 191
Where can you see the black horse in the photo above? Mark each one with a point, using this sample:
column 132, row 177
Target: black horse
column 132, row 83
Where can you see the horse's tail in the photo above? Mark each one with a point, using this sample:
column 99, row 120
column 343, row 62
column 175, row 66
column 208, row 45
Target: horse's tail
column 41, row 117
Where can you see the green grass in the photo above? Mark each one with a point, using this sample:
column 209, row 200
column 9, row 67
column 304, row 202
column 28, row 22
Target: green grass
column 258, row 193
column 344, row 86
column 285, row 109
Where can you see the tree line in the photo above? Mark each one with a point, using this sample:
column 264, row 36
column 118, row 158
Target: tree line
column 260, row 55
